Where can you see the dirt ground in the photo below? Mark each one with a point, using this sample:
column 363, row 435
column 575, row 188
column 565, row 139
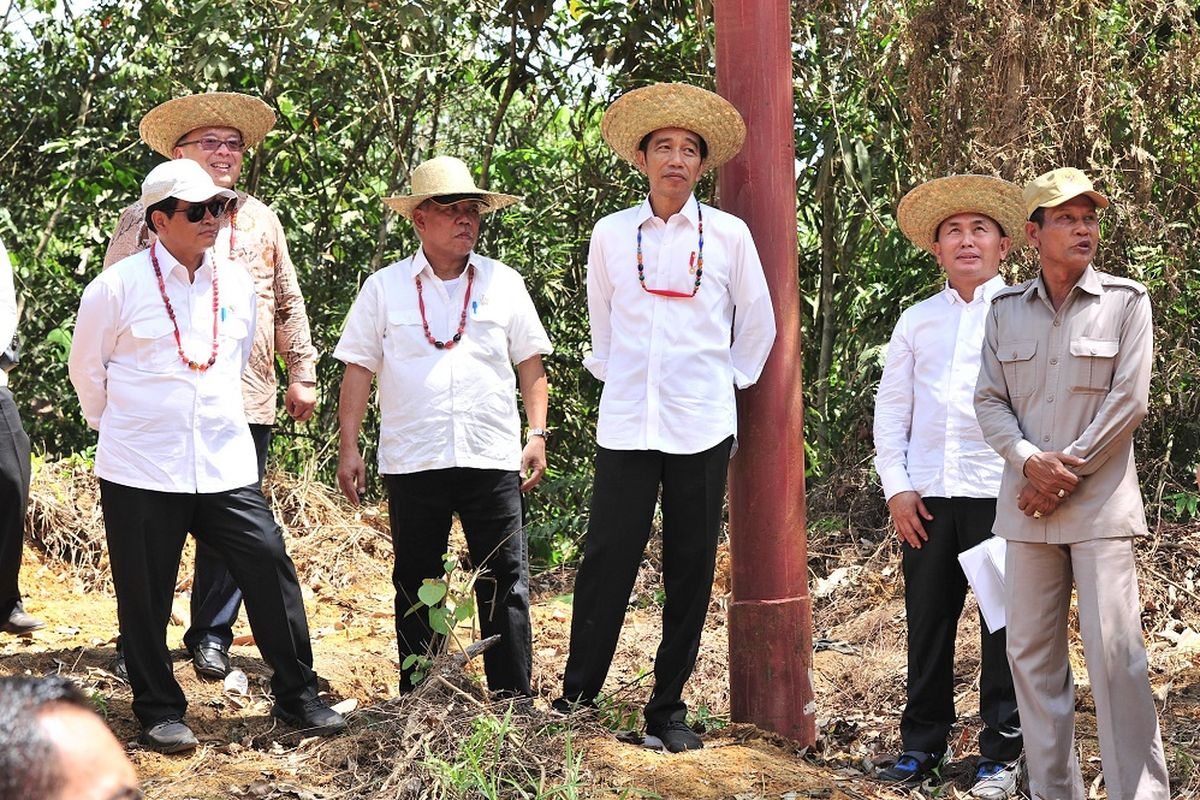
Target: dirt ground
column 395, row 745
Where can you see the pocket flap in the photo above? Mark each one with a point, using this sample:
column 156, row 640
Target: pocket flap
column 151, row 328
column 405, row 316
column 1095, row 348
column 1016, row 351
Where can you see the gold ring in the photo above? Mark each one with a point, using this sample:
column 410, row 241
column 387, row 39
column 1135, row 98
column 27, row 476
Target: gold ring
column 1062, row 493
column 1037, row 515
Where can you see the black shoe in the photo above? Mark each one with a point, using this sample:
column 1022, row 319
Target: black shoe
column 118, row 665
column 211, row 660
column 675, row 736
column 169, row 736
column 912, row 766
column 562, row 707
column 20, row 623
column 312, row 715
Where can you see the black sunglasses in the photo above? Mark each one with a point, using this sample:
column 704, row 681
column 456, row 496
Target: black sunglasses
column 195, row 212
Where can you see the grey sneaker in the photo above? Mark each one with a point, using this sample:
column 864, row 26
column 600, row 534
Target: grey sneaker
column 996, row 780
column 20, row 623
column 169, row 736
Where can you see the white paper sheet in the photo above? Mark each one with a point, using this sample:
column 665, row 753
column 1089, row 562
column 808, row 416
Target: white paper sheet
column 983, row 565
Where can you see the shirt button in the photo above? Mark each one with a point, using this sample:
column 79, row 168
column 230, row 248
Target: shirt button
column 1050, row 399
column 1057, row 323
column 1045, row 438
column 1053, row 361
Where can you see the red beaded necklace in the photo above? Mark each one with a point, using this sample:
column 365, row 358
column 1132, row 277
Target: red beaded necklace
column 162, row 288
column 695, row 264
column 462, row 319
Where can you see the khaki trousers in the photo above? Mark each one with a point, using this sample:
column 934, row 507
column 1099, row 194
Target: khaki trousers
column 1038, row 580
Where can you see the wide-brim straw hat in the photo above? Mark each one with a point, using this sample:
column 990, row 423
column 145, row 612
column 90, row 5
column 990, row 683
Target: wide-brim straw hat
column 925, row 208
column 446, row 175
column 674, row 105
column 166, row 124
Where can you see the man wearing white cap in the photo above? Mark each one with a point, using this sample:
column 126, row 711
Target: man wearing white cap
column 680, row 317
column 1063, row 385
column 215, row 129
column 441, row 331
column 940, row 477
column 160, row 343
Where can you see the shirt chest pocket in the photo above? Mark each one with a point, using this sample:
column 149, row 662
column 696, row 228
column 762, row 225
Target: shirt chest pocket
column 1092, row 364
column 404, row 337
column 1017, row 360
column 154, row 344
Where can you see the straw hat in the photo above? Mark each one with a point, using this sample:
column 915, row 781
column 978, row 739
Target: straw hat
column 674, row 105
column 1057, row 186
column 925, row 208
column 167, row 123
column 446, row 175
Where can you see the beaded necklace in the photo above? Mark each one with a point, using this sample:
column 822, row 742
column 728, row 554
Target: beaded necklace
column 462, row 319
column 162, row 288
column 696, row 263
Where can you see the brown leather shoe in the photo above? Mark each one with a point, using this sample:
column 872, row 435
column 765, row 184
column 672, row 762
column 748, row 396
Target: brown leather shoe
column 20, row 623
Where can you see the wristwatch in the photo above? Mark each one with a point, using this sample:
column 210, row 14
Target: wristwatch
column 542, row 432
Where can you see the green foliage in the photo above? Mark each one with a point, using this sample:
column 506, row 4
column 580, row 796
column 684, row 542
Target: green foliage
column 447, row 601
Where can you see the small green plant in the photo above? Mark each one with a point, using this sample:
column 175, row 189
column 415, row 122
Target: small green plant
column 447, row 602
column 1183, row 504
column 705, row 719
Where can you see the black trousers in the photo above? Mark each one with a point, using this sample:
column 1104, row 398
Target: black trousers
column 216, row 597
column 146, row 530
column 488, row 503
column 934, row 591
column 14, row 496
column 623, row 497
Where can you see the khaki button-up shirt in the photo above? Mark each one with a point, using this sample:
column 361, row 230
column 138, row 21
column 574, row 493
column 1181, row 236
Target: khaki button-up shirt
column 282, row 324
column 1075, row 380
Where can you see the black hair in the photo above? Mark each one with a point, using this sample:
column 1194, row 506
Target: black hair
column 167, row 206
column 30, row 768
column 1038, row 216
column 645, row 143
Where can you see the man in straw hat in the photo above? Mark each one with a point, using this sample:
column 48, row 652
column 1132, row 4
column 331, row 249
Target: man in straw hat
column 940, row 477
column 671, row 282
column 215, row 130
column 442, row 330
column 160, row 343
column 1063, row 385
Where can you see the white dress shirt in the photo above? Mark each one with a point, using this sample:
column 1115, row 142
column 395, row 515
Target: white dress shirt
column 8, row 306
column 668, row 365
column 926, row 436
column 444, row 408
column 162, row 425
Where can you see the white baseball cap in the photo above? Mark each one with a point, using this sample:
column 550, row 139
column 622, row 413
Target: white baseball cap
column 182, row 179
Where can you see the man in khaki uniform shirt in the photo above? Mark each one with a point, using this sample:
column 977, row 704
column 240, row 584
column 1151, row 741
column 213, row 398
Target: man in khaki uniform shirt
column 1064, row 382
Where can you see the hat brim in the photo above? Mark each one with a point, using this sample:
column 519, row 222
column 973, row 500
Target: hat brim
column 674, row 105
column 489, row 201
column 165, row 124
column 1100, row 200
column 924, row 208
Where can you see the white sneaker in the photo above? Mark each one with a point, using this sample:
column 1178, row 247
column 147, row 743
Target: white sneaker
column 997, row 780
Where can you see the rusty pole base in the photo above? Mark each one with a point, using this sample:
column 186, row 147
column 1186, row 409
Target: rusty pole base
column 769, row 681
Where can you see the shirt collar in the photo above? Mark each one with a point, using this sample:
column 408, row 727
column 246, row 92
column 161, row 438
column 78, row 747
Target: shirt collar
column 168, row 263
column 1089, row 282
column 420, row 263
column 690, row 211
column 985, row 290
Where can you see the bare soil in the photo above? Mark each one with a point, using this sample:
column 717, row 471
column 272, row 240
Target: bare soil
column 395, row 746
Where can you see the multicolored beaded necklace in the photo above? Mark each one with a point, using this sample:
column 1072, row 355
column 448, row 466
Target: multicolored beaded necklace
column 462, row 320
column 695, row 264
column 216, row 303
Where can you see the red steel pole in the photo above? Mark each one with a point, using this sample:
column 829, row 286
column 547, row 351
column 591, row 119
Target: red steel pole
column 770, row 619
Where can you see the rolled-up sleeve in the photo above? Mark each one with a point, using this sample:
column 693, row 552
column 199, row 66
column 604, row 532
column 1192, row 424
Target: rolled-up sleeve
column 8, row 299
column 361, row 342
column 893, row 413
column 993, row 406
column 754, row 318
column 92, row 345
column 526, row 335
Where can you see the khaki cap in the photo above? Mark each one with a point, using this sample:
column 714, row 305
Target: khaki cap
column 925, row 208
column 1056, row 187
column 674, row 105
column 165, row 124
column 446, row 175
